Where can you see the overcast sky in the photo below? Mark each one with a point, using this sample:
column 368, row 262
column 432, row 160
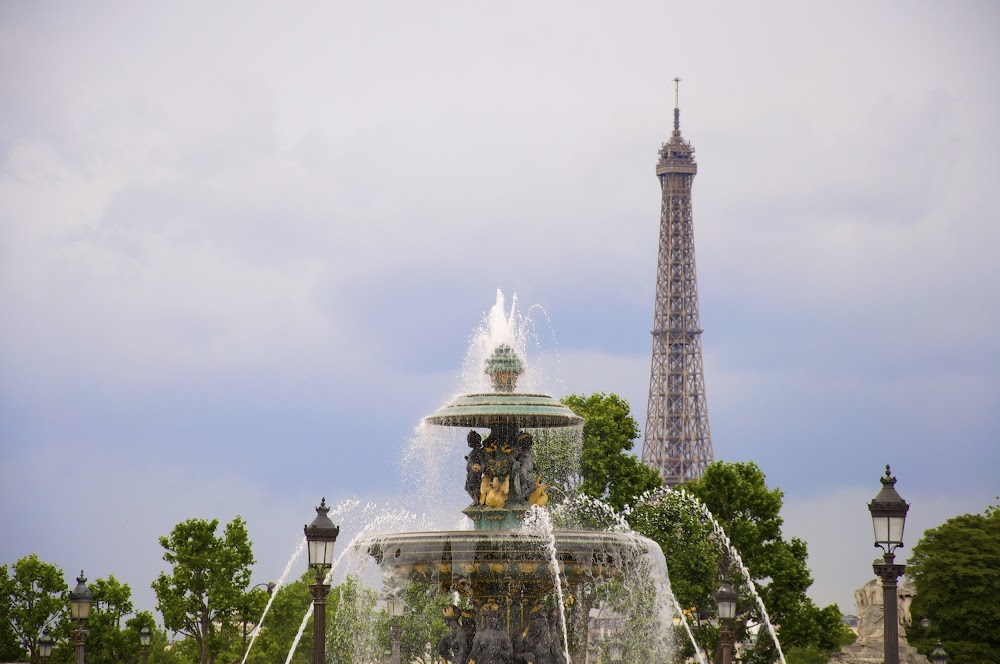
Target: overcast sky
column 243, row 247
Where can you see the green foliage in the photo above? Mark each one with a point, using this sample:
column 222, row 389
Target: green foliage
column 692, row 558
column 161, row 650
column 607, row 470
column 422, row 622
column 114, row 637
column 10, row 645
column 749, row 512
column 206, row 584
column 806, row 655
column 250, row 607
column 351, row 615
column 557, row 461
column 35, row 597
column 282, row 622
column 956, row 570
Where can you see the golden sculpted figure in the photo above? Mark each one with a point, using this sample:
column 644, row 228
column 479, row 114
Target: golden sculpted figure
column 497, row 494
column 538, row 496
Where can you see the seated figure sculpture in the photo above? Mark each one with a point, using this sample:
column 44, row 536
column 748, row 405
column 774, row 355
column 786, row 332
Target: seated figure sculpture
column 537, row 643
column 524, row 465
column 457, row 643
column 491, row 644
column 475, row 463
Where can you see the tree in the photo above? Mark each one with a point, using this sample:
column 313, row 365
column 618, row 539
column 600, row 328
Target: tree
column 278, row 629
column 422, row 621
column 36, row 598
column 251, row 606
column 108, row 641
column 956, row 570
column 351, row 619
column 607, row 470
column 748, row 512
column 207, row 582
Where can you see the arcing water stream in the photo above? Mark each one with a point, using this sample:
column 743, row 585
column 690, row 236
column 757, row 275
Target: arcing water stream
column 700, row 510
column 537, row 520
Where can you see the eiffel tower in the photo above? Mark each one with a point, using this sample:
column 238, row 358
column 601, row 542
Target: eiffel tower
column 677, row 441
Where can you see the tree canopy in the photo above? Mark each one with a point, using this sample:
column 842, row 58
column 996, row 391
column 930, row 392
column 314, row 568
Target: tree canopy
column 207, row 581
column 956, row 570
column 607, row 470
column 33, row 597
column 748, row 511
column 114, row 631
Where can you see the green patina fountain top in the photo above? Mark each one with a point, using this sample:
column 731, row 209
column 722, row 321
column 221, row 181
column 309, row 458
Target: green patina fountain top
column 504, row 406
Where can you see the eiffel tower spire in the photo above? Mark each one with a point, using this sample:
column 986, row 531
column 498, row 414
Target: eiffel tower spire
column 677, row 440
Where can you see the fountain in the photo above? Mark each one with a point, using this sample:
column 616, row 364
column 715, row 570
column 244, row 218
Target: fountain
column 515, row 573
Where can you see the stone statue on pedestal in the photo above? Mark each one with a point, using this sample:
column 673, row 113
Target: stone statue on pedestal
column 869, row 646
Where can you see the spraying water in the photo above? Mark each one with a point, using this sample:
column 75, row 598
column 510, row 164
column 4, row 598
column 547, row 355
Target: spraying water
column 537, row 520
column 678, row 611
column 384, row 520
column 701, row 510
column 345, row 506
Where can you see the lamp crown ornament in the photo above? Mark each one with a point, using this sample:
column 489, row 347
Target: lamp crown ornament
column 81, row 586
column 322, row 525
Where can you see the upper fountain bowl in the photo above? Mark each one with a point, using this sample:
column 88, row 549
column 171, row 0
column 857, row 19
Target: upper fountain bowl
column 504, row 406
column 491, row 409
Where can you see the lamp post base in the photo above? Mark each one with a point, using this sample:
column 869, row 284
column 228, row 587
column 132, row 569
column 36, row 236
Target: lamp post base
column 319, row 592
column 889, row 572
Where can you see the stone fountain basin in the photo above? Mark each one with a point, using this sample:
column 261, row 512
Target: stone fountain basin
column 468, row 560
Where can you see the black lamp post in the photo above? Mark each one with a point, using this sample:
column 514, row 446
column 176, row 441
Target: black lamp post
column 396, row 606
column 725, row 598
column 321, row 535
column 938, row 655
column 45, row 646
column 145, row 638
column 888, row 510
column 80, row 600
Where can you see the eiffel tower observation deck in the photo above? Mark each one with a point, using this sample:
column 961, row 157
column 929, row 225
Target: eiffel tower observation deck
column 677, row 440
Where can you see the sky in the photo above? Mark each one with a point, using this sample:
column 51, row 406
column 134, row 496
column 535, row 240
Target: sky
column 244, row 245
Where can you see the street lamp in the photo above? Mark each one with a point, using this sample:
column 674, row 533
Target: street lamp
column 888, row 510
column 145, row 638
column 938, row 655
column 321, row 535
column 45, row 645
column 395, row 605
column 725, row 598
column 80, row 600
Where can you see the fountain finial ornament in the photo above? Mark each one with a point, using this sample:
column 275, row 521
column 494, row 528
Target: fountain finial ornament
column 504, row 367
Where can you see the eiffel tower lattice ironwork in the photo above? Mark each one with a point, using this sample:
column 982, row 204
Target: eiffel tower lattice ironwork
column 677, row 440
